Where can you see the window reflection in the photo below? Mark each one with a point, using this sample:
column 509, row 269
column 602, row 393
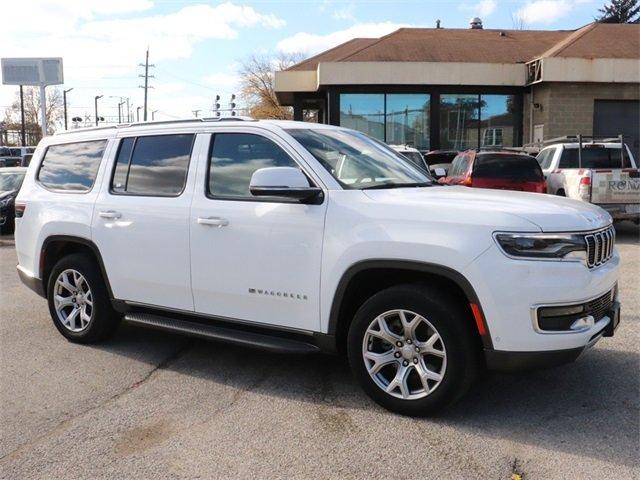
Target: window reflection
column 363, row 112
column 459, row 116
column 408, row 120
column 497, row 125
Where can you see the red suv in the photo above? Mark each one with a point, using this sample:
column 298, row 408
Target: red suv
column 496, row 169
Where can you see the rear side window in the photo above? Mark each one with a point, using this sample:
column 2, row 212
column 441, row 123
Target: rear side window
column 594, row 157
column 508, row 167
column 234, row 158
column 152, row 166
column 545, row 158
column 71, row 167
column 459, row 166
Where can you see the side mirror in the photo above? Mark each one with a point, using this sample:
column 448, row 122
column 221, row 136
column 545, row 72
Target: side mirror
column 439, row 172
column 283, row 182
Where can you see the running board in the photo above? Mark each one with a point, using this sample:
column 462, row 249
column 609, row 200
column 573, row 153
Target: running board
column 214, row 332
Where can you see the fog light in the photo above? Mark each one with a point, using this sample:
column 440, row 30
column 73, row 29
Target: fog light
column 583, row 323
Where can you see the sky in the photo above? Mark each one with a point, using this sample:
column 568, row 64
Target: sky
column 198, row 45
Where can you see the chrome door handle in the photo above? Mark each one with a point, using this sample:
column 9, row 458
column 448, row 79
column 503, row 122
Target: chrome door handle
column 213, row 221
column 110, row 214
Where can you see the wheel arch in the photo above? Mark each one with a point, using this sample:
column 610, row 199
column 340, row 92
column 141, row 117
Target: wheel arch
column 350, row 294
column 55, row 247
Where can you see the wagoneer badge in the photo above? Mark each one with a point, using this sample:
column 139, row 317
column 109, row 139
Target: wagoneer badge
column 272, row 293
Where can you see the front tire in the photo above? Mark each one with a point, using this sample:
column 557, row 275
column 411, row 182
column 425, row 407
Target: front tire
column 411, row 349
column 78, row 300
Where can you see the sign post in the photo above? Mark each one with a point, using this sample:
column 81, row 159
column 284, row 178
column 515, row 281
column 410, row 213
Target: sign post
column 36, row 72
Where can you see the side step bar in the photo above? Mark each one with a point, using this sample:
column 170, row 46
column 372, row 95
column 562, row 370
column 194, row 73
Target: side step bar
column 214, row 332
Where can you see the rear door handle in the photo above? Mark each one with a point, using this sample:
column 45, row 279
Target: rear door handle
column 213, row 221
column 110, row 214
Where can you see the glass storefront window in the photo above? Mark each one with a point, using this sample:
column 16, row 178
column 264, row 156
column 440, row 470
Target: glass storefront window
column 459, row 116
column 363, row 112
column 408, row 119
column 497, row 120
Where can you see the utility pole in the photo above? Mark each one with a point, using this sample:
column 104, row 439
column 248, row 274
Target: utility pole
column 146, row 77
column 64, row 100
column 95, row 100
column 24, row 143
column 138, row 114
column 195, row 113
column 128, row 111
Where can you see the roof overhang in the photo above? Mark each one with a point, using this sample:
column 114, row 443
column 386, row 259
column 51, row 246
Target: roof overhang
column 576, row 70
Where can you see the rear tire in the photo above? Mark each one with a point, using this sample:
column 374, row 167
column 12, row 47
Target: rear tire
column 79, row 301
column 417, row 373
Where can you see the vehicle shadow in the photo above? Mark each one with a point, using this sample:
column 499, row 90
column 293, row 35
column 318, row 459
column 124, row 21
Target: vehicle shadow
column 627, row 233
column 589, row 408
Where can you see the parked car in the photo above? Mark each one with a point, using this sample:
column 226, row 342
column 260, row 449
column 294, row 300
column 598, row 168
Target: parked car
column 602, row 172
column 300, row 238
column 439, row 161
column 412, row 154
column 13, row 156
column 10, row 182
column 496, row 169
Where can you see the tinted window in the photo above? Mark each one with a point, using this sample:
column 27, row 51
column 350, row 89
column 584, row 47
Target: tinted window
column 594, row 157
column 72, row 166
column 439, row 157
column 155, row 165
column 509, row 167
column 234, row 158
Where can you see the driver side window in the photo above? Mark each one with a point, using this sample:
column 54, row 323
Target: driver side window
column 233, row 159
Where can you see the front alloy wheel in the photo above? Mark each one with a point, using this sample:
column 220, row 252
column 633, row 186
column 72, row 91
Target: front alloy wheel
column 404, row 354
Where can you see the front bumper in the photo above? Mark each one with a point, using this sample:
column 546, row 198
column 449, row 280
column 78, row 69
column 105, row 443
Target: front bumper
column 508, row 291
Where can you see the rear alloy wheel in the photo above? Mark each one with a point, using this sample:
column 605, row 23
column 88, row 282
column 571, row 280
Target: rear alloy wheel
column 73, row 300
column 79, row 302
column 412, row 349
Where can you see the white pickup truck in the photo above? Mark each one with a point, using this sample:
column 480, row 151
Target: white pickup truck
column 602, row 172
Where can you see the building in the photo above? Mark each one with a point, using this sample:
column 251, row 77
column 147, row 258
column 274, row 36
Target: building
column 440, row 88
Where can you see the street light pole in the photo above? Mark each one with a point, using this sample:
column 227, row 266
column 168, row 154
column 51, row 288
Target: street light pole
column 95, row 100
column 138, row 114
column 64, row 99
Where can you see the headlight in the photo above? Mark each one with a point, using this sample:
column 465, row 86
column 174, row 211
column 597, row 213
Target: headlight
column 543, row 246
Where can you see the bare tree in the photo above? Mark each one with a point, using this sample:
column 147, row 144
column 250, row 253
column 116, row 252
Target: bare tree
column 54, row 108
column 256, row 85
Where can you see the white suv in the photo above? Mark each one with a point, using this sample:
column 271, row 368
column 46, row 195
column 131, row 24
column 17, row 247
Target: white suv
column 301, row 237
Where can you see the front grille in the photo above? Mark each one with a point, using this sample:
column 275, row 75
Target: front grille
column 559, row 318
column 600, row 246
column 600, row 307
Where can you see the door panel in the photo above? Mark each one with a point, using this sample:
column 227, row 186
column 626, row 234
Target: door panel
column 254, row 260
column 144, row 239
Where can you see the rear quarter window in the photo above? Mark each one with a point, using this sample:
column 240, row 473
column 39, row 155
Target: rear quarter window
column 71, row 167
column 508, row 167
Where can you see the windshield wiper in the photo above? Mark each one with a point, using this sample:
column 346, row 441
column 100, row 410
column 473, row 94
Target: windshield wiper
column 398, row 185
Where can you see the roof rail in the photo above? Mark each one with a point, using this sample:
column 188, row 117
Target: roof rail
column 161, row 122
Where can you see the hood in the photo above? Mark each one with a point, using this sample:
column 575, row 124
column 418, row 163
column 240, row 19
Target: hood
column 548, row 213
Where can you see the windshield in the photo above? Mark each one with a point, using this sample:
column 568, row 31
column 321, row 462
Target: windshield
column 595, row 156
column 10, row 181
column 357, row 161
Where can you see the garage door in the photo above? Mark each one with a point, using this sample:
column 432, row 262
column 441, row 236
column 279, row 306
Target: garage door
column 614, row 117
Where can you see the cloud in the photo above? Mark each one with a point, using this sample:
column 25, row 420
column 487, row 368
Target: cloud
column 545, row 11
column 222, row 80
column 486, row 7
column 344, row 13
column 310, row 43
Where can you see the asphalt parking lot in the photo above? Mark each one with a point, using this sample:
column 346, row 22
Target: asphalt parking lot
column 151, row 405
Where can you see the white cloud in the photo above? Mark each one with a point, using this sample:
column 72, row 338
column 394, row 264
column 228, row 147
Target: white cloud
column 225, row 80
column 486, row 7
column 344, row 13
column 545, row 11
column 310, row 43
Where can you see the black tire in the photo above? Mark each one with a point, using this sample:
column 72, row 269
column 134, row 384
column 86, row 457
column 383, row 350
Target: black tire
column 448, row 317
column 104, row 319
column 561, row 193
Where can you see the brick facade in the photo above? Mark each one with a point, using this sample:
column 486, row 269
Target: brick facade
column 567, row 108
